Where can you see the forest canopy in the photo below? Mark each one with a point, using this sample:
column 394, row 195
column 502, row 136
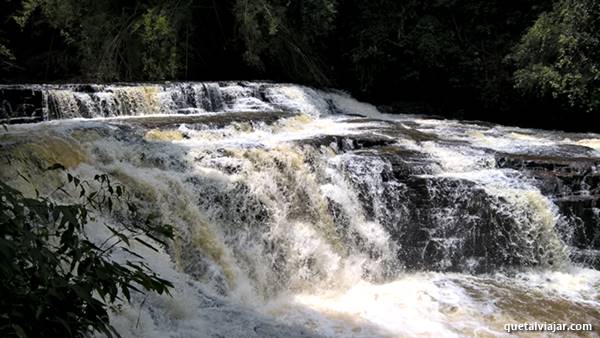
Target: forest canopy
column 530, row 62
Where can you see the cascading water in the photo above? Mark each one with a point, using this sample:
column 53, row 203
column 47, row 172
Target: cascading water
column 302, row 212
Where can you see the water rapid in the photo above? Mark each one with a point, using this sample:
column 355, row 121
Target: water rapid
column 305, row 213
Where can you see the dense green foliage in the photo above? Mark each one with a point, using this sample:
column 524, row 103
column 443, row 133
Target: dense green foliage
column 438, row 51
column 6, row 56
column 560, row 55
column 55, row 281
column 285, row 35
column 467, row 58
column 107, row 41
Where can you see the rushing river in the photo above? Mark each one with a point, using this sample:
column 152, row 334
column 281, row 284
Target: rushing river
column 304, row 213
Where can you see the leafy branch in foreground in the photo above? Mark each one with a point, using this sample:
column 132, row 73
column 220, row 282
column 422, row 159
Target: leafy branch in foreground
column 54, row 280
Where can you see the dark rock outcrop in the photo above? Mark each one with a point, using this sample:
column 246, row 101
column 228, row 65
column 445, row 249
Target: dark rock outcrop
column 21, row 105
column 573, row 184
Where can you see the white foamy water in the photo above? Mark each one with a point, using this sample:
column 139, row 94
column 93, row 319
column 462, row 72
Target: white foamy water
column 434, row 304
column 297, row 218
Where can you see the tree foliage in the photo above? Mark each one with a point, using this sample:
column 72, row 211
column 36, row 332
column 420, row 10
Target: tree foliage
column 559, row 56
column 158, row 38
column 287, row 35
column 54, row 280
column 6, row 57
column 467, row 58
column 439, row 50
column 114, row 40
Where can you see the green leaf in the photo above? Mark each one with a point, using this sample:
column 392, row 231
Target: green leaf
column 118, row 234
column 24, row 178
column 73, row 277
column 132, row 253
column 19, row 331
column 56, row 166
column 146, row 244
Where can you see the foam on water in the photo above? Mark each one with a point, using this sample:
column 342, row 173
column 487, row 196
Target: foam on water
column 434, row 304
column 292, row 226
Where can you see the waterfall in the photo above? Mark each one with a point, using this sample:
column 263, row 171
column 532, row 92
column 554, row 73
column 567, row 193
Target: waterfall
column 302, row 212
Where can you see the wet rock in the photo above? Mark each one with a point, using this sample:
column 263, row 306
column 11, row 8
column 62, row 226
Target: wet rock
column 404, row 162
column 583, row 216
column 21, row 105
column 345, row 143
column 453, row 225
column 201, row 121
column 408, row 107
column 401, row 130
column 408, row 133
column 573, row 184
column 440, row 223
